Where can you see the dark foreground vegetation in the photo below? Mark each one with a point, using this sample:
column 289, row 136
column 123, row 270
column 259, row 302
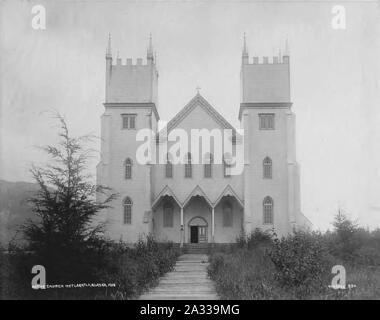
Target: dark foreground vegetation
column 299, row 266
column 127, row 271
column 67, row 239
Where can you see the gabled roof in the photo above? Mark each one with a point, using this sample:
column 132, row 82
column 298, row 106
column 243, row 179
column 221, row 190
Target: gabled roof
column 197, row 191
column 228, row 191
column 165, row 192
column 198, row 100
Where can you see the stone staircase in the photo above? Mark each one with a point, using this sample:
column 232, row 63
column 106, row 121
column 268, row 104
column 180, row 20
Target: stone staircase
column 188, row 281
column 195, row 248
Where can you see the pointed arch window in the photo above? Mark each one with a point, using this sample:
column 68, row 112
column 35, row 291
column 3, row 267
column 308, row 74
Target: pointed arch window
column 168, row 215
column 268, row 210
column 128, row 168
column 127, row 210
column 208, row 166
column 168, row 167
column 267, row 168
column 188, row 166
column 227, row 215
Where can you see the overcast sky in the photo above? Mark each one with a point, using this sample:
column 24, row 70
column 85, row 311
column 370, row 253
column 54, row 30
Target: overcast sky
column 334, row 80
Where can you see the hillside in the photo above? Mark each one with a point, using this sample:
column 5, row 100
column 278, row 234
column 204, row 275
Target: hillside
column 14, row 207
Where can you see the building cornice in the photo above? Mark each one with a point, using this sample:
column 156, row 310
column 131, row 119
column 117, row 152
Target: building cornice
column 264, row 105
column 148, row 105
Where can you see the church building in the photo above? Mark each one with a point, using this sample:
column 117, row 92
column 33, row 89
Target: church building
column 200, row 200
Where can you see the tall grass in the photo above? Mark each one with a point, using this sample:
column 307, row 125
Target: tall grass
column 244, row 275
column 296, row 267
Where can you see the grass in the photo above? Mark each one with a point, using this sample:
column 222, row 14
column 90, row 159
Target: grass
column 243, row 275
column 256, row 271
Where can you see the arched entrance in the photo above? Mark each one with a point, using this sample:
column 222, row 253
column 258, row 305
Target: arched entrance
column 198, row 230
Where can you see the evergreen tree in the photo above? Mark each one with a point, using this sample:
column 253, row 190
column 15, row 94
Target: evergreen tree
column 346, row 240
column 66, row 237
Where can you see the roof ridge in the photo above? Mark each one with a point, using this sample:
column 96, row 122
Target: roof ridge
column 191, row 105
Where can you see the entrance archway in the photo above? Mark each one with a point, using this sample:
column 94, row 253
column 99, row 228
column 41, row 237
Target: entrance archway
column 198, row 230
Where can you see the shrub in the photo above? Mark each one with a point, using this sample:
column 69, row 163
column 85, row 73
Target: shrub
column 254, row 239
column 217, row 263
column 367, row 255
column 302, row 263
column 131, row 269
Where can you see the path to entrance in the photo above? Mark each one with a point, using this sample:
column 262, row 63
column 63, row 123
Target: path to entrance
column 188, row 281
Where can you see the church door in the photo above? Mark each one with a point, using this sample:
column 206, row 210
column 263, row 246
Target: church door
column 194, row 234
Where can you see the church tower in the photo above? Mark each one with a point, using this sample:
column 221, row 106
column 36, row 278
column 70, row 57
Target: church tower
column 130, row 105
column 271, row 178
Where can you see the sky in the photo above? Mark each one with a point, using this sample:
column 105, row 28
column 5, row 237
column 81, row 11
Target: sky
column 334, row 80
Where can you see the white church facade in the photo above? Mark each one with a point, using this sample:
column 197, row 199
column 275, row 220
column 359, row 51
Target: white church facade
column 199, row 200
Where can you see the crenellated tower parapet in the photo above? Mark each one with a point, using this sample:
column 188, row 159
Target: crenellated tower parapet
column 131, row 81
column 265, row 79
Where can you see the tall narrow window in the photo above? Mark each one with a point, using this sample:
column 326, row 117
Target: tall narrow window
column 267, row 168
column 208, row 166
column 227, row 160
column 268, row 210
column 188, row 167
column 266, row 121
column 132, row 122
column 227, row 215
column 128, row 169
column 168, row 215
column 127, row 206
column 168, row 167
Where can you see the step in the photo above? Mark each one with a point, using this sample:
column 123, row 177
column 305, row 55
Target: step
column 185, row 281
column 192, row 263
column 188, row 280
column 195, row 268
column 193, row 257
column 196, row 246
column 203, row 290
column 186, row 275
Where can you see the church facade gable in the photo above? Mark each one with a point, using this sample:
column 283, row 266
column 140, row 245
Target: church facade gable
column 199, row 102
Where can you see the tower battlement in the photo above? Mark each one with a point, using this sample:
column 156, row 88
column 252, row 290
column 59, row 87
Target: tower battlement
column 268, row 60
column 265, row 80
column 129, row 62
column 129, row 81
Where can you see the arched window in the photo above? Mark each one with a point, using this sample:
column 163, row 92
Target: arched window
column 227, row 161
column 127, row 212
column 209, row 160
column 267, row 168
column 268, row 210
column 168, row 167
column 188, row 166
column 168, row 215
column 227, row 215
column 128, row 168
